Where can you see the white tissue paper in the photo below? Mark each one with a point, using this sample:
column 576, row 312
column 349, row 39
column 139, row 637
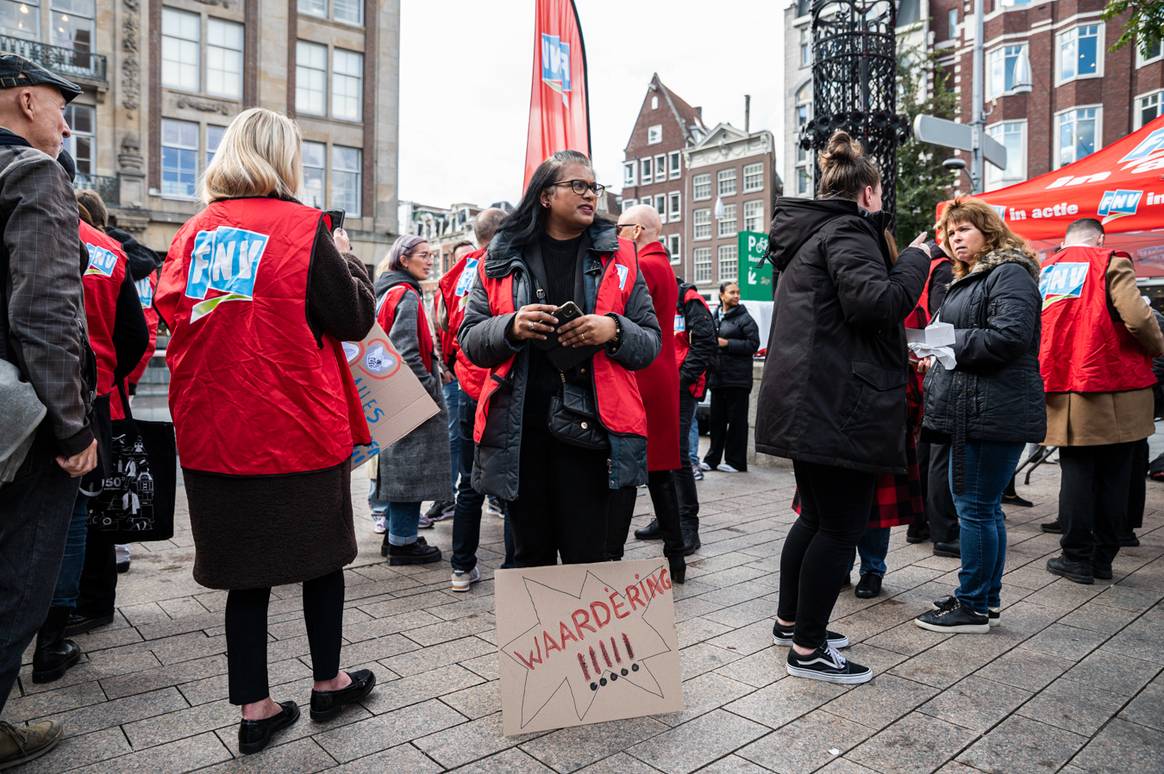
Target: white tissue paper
column 936, row 341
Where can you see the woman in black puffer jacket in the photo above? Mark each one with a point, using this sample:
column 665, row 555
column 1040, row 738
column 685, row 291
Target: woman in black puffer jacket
column 731, row 383
column 991, row 404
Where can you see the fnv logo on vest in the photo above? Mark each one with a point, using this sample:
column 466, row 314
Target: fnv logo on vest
column 1117, row 204
column 556, row 65
column 1062, row 281
column 101, row 261
column 225, row 260
column 145, row 292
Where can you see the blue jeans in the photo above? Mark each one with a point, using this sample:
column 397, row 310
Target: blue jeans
column 989, row 466
column 693, row 436
column 402, row 521
column 69, row 578
column 452, row 392
column 467, row 515
column 872, row 548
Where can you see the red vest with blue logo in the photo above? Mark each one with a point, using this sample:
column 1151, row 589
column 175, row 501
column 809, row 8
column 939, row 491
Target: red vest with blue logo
column 102, row 284
column 453, row 293
column 251, row 391
column 1085, row 346
column 616, row 391
column 386, row 316
column 145, row 294
column 683, row 338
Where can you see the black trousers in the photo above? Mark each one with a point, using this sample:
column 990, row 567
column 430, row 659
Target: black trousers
column 1093, row 500
column 684, row 477
column 1138, row 492
column 835, row 504
column 934, row 461
column 246, row 635
column 562, row 503
column 729, row 427
column 98, row 576
column 664, row 499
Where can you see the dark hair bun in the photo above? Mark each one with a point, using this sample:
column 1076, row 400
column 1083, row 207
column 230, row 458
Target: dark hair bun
column 842, row 149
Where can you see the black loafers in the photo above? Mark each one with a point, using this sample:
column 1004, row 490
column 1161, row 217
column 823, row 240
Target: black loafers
column 325, row 705
column 869, row 586
column 255, row 735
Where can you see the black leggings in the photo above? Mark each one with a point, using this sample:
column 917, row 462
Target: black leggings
column 835, row 504
column 246, row 634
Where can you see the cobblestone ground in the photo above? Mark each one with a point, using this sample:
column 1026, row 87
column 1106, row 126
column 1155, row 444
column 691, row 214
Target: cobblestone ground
column 1071, row 681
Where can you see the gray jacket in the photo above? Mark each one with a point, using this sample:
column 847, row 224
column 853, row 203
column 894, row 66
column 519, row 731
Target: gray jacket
column 496, row 468
column 42, row 315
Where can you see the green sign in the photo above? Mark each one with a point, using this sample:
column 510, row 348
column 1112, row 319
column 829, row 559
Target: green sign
column 755, row 273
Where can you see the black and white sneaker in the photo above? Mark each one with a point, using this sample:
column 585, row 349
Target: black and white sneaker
column 954, row 620
column 827, row 665
column 782, row 635
column 948, row 603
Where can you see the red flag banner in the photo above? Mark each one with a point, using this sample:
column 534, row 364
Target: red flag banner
column 559, row 105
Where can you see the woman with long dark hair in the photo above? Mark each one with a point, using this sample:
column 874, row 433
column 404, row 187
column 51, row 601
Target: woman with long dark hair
column 561, row 316
column 738, row 338
column 833, row 394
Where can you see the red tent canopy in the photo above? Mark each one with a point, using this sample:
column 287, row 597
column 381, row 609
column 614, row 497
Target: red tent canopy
column 1121, row 185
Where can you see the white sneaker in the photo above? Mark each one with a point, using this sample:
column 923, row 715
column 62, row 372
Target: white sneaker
column 723, row 467
column 379, row 524
column 704, row 466
column 461, row 580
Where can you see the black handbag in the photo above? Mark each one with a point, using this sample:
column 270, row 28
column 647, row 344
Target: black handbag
column 136, row 502
column 574, row 420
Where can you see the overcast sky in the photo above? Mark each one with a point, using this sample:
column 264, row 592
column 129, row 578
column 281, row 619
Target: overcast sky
column 465, row 82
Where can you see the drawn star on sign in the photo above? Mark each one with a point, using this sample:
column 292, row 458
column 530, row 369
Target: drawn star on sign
column 557, row 652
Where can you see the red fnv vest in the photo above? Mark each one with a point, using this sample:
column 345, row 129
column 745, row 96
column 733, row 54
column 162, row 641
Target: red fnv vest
column 251, row 392
column 1085, row 346
column 620, row 407
column 102, row 284
column 683, row 339
column 453, row 293
column 386, row 315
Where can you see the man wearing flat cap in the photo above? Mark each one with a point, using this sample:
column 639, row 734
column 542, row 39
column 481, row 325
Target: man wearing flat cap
column 43, row 344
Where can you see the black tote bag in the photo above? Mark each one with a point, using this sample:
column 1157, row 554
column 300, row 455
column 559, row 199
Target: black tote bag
column 136, row 503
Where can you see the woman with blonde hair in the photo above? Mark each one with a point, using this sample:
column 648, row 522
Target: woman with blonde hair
column 258, row 292
column 990, row 404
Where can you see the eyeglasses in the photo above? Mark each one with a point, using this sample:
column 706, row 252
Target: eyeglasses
column 580, row 187
column 621, row 226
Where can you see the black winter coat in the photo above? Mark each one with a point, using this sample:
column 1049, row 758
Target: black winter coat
column 734, row 368
column 833, row 391
column 995, row 392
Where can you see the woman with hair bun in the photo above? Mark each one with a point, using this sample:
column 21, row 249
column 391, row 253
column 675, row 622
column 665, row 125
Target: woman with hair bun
column 833, row 394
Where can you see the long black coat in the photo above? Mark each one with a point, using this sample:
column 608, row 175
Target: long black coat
column 734, row 366
column 833, row 391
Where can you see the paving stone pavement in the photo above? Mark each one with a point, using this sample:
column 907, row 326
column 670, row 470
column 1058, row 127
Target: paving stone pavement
column 1073, row 680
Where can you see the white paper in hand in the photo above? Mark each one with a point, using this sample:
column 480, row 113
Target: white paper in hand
column 936, row 341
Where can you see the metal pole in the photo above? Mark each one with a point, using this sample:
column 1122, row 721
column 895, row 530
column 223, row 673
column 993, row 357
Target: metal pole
column 977, row 114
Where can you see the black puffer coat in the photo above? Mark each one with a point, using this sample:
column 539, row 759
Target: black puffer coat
column 833, row 391
column 734, row 366
column 995, row 393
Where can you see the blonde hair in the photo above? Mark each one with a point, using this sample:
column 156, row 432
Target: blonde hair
column 260, row 154
column 982, row 216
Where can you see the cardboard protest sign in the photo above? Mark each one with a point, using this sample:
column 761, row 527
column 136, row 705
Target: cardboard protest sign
column 586, row 643
column 395, row 402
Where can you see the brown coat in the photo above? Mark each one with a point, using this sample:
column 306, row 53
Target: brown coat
column 1094, row 419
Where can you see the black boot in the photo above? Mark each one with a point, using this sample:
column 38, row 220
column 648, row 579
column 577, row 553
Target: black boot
column 54, row 654
column 678, row 568
column 650, row 532
column 690, row 531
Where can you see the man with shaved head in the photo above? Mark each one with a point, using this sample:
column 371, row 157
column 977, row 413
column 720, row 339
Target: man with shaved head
column 659, row 386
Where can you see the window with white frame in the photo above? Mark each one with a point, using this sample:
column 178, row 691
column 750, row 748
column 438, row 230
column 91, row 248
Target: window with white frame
column 348, row 11
column 660, row 205
column 674, row 211
column 628, row 203
column 1149, row 107
column 645, row 175
column 701, row 187
column 1076, row 133
column 213, row 140
column 805, row 46
column 660, row 168
column 224, row 58
column 1013, row 136
column 1008, row 70
column 726, row 182
column 347, row 84
column 729, row 263
column 803, row 181
column 753, row 178
column 1150, row 50
column 702, row 261
column 73, row 24
column 654, row 134
column 701, row 224
column 803, row 169
column 728, row 222
column 628, row 172
column 654, row 103
column 181, row 49
column 310, row 78
column 179, row 158
column 1079, row 52
column 952, row 24
column 346, row 174
column 20, row 19
column 80, row 143
column 673, row 243
column 674, row 165
column 754, row 215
